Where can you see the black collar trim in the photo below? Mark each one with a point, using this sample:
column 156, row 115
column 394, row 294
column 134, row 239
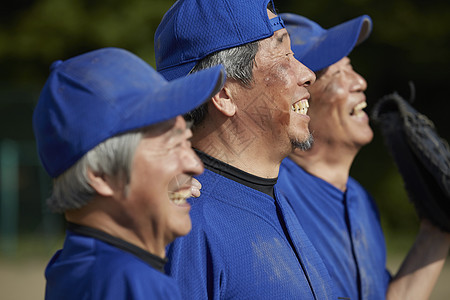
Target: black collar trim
column 264, row 185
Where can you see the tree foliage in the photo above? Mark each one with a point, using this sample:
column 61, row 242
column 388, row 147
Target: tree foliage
column 42, row 31
column 410, row 41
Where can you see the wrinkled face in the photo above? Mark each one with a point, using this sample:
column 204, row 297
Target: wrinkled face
column 278, row 94
column 337, row 100
column 161, row 174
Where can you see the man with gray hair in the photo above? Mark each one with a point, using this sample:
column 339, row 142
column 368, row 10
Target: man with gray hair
column 109, row 131
column 245, row 242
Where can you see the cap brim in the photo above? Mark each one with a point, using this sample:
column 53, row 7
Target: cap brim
column 178, row 71
column 178, row 97
column 337, row 43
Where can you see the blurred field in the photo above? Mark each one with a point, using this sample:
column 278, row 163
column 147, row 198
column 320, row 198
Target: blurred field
column 24, row 279
column 442, row 290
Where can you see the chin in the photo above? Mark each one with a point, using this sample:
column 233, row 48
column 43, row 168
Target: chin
column 304, row 143
column 183, row 229
column 365, row 140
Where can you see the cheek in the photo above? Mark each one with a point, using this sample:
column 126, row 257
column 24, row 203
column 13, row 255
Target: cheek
column 141, row 179
column 142, row 169
column 280, row 77
column 274, row 93
column 335, row 91
column 281, row 84
column 152, row 172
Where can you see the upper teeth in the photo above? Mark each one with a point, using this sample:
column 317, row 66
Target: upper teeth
column 359, row 107
column 180, row 197
column 301, row 107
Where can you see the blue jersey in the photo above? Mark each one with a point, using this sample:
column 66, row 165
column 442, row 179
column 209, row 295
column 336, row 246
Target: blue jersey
column 88, row 268
column 345, row 229
column 245, row 245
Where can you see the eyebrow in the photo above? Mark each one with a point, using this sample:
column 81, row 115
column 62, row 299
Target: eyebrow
column 178, row 131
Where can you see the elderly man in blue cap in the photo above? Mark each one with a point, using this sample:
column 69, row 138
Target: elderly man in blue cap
column 246, row 242
column 337, row 213
column 109, row 131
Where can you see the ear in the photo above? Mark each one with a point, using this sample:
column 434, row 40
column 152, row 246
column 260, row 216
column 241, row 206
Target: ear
column 224, row 102
column 100, row 184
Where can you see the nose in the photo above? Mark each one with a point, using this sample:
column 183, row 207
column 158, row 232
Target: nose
column 359, row 83
column 191, row 163
column 306, row 77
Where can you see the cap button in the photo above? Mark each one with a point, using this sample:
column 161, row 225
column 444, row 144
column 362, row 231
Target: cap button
column 55, row 64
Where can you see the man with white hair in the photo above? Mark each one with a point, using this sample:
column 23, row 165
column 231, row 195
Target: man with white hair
column 109, row 131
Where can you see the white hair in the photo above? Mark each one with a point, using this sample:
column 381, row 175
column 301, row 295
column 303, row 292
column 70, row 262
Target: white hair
column 113, row 157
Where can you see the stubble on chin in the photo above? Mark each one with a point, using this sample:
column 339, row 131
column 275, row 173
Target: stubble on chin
column 303, row 145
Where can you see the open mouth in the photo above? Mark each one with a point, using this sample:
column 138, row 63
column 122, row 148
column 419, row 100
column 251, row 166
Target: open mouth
column 179, row 198
column 301, row 107
column 358, row 109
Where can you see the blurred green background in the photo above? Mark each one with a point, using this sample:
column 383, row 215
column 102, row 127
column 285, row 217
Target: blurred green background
column 410, row 42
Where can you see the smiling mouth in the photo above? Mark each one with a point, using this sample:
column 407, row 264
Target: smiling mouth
column 179, row 198
column 358, row 109
column 301, row 107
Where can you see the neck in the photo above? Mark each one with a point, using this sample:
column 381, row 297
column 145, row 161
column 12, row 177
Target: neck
column 331, row 164
column 230, row 141
column 104, row 215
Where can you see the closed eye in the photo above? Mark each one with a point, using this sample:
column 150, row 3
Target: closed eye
column 337, row 72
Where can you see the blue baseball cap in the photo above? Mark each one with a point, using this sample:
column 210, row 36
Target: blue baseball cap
column 192, row 29
column 318, row 48
column 97, row 95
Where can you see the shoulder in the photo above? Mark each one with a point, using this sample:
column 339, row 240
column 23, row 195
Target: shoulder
column 289, row 166
column 365, row 199
column 293, row 181
column 127, row 275
column 356, row 187
column 290, row 171
column 102, row 271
